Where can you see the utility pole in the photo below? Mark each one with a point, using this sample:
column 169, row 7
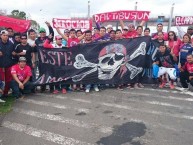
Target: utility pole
column 89, row 9
column 134, row 22
column 171, row 17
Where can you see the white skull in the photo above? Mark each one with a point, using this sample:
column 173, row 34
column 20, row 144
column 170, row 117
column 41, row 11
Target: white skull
column 109, row 64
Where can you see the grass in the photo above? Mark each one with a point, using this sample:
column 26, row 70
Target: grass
column 7, row 106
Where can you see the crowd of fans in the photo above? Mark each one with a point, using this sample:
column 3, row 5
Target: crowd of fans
column 19, row 57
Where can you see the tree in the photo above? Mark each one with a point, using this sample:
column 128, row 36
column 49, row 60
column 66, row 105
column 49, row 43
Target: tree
column 18, row 14
column 22, row 15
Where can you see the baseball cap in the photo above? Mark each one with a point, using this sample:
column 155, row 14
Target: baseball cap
column 4, row 32
column 125, row 28
column 66, row 31
column 58, row 37
column 109, row 26
column 190, row 27
column 22, row 59
column 42, row 30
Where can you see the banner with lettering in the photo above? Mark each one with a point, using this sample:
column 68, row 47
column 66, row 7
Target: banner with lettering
column 114, row 62
column 85, row 24
column 183, row 20
column 122, row 15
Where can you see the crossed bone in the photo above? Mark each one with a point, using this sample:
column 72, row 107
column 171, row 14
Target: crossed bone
column 81, row 62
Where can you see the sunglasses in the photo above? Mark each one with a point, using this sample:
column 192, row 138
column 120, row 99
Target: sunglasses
column 190, row 29
column 59, row 39
column 23, row 38
column 42, row 32
column 171, row 34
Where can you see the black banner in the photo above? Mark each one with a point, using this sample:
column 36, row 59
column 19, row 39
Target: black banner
column 115, row 62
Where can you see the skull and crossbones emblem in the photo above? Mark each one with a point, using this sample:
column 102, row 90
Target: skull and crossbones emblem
column 111, row 59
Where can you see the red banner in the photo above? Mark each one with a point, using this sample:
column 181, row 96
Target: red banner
column 72, row 23
column 122, row 15
column 183, row 21
column 17, row 25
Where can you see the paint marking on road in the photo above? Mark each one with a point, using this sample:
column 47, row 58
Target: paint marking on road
column 55, row 105
column 81, row 100
column 160, row 96
column 148, row 111
column 61, row 119
column 49, row 136
column 143, row 101
column 184, row 92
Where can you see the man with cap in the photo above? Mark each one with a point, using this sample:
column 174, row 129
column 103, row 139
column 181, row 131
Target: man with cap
column 39, row 43
column 6, row 61
column 57, row 44
column 21, row 74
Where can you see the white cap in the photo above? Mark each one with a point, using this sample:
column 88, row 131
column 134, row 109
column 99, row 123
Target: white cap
column 109, row 26
column 125, row 27
column 4, row 32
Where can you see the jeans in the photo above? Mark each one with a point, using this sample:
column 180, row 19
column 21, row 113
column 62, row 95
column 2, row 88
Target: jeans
column 89, row 86
column 17, row 92
column 184, row 78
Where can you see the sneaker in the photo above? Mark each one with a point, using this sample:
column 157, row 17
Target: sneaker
column 130, row 86
column 87, row 90
column 120, row 88
column 140, row 85
column 96, row 89
column 2, row 101
column 184, row 89
column 162, row 85
column 172, row 86
column 63, row 91
column 136, row 86
column 55, row 92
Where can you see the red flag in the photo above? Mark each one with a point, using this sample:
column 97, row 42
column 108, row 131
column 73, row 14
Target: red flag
column 17, row 25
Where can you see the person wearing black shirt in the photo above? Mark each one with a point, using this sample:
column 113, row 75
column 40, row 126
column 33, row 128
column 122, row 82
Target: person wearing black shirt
column 166, row 60
column 25, row 50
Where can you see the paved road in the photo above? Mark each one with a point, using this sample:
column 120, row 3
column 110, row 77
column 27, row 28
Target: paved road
column 110, row 117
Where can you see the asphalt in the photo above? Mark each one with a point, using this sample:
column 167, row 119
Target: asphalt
column 110, row 117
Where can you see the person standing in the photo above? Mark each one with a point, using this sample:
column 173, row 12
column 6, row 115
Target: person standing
column 6, row 60
column 39, row 43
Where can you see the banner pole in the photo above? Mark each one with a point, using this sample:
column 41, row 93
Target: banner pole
column 134, row 22
column 171, row 16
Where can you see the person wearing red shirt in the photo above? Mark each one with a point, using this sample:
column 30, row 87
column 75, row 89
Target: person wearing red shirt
column 186, row 72
column 160, row 29
column 21, row 74
column 174, row 43
column 72, row 40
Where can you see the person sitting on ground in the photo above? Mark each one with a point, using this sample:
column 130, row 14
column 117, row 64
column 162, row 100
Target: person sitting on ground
column 21, row 74
column 166, row 60
column 186, row 72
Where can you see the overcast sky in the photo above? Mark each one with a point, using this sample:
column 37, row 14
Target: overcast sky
column 42, row 10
